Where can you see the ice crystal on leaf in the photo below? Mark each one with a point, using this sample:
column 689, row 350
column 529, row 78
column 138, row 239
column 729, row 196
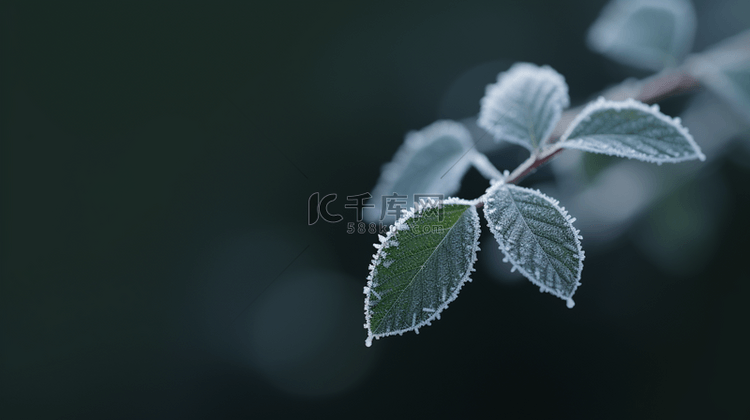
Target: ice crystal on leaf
column 537, row 236
column 524, row 105
column 425, row 270
column 425, row 258
column 630, row 129
column 429, row 162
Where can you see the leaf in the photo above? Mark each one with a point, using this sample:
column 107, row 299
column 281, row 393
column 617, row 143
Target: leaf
column 647, row 34
column 630, row 129
column 420, row 266
column 537, row 236
column 524, row 105
column 429, row 162
column 725, row 69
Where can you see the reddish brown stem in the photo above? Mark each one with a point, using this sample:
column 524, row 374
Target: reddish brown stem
column 651, row 90
column 667, row 84
column 531, row 165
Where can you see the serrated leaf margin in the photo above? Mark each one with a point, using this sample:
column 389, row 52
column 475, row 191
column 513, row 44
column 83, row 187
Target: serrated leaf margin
column 568, row 218
column 604, row 104
column 385, row 243
column 508, row 81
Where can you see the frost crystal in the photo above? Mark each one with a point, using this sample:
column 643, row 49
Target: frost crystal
column 524, row 105
column 425, row 270
column 429, row 162
column 537, row 237
column 630, row 129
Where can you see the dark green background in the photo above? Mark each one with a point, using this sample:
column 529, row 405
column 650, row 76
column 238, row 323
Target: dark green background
column 141, row 139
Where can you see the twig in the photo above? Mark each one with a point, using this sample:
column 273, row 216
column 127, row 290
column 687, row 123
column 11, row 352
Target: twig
column 650, row 90
column 532, row 163
column 656, row 88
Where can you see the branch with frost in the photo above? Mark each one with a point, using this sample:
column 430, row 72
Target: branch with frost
column 429, row 253
column 651, row 90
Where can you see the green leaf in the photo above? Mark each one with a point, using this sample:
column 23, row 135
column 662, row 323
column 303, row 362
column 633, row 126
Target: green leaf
column 630, row 129
column 431, row 161
column 725, row 69
column 524, row 105
column 648, row 34
column 537, row 236
column 420, row 266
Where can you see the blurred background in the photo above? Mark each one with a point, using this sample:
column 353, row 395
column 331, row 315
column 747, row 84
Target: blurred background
column 157, row 262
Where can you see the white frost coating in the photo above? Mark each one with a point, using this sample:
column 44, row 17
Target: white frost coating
column 428, row 162
column 524, row 105
column 372, row 298
column 626, row 139
column 516, row 242
column 632, row 32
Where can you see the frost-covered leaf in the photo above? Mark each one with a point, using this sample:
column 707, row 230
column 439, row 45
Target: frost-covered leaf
column 431, row 161
column 648, row 34
column 537, row 236
column 725, row 69
column 630, row 129
column 420, row 266
column 524, row 105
